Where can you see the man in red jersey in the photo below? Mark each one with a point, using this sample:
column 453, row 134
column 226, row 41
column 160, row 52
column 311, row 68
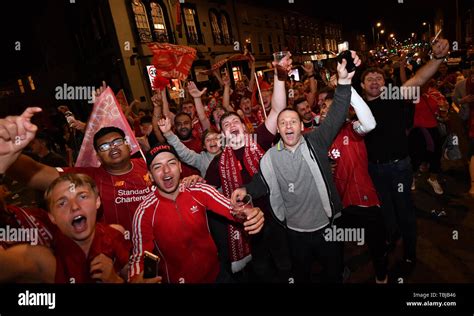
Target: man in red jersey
column 172, row 222
column 123, row 182
column 353, row 182
column 83, row 251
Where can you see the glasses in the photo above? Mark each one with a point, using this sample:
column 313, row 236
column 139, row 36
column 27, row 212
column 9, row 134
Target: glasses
column 115, row 143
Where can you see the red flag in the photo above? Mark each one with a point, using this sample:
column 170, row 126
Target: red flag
column 106, row 112
column 122, row 99
column 172, row 61
column 222, row 62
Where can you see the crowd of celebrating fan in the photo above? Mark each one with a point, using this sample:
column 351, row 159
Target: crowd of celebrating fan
column 309, row 155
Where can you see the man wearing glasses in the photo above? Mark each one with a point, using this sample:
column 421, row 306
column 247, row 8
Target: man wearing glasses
column 123, row 182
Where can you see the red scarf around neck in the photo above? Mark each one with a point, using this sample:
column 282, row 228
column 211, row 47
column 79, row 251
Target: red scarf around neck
column 231, row 179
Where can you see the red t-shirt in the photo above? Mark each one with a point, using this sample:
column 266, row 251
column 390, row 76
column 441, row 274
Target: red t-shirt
column 197, row 129
column 120, row 195
column 179, row 234
column 194, row 144
column 32, row 219
column 72, row 265
column 351, row 175
column 427, row 108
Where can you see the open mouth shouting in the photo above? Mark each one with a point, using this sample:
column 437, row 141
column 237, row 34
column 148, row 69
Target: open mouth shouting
column 290, row 135
column 79, row 224
column 168, row 182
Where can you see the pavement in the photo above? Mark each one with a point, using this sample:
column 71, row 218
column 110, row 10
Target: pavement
column 445, row 244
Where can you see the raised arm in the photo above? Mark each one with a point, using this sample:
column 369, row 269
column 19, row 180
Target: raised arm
column 226, row 96
column 196, row 94
column 440, row 51
column 217, row 74
column 157, row 115
column 325, row 134
column 313, row 84
column 279, row 95
column 366, row 121
column 252, row 73
column 185, row 154
column 166, row 106
column 34, row 174
column 16, row 132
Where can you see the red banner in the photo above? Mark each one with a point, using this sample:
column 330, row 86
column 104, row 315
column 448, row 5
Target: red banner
column 222, row 62
column 106, row 112
column 122, row 99
column 172, row 61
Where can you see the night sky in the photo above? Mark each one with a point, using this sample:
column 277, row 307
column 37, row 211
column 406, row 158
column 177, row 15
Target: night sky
column 17, row 19
column 402, row 18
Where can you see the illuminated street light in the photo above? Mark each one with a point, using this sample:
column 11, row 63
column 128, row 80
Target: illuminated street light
column 382, row 31
column 378, row 24
column 392, row 35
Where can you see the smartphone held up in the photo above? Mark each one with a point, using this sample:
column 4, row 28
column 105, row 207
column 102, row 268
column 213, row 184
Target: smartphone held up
column 345, row 53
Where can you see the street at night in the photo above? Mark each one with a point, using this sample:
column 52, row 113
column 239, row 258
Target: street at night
column 295, row 149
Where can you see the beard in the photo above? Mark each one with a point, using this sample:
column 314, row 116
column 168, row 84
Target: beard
column 184, row 134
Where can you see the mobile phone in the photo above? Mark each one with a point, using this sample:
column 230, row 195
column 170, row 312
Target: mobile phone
column 150, row 265
column 345, row 53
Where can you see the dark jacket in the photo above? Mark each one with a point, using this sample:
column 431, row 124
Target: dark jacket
column 316, row 155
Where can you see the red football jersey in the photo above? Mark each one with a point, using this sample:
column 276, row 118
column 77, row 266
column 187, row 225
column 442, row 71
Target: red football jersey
column 197, row 129
column 30, row 219
column 120, row 195
column 351, row 175
column 179, row 232
column 194, row 144
column 72, row 265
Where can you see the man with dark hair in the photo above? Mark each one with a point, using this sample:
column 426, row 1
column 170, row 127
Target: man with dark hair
column 234, row 167
column 172, row 222
column 41, row 148
column 387, row 149
column 184, row 131
column 306, row 115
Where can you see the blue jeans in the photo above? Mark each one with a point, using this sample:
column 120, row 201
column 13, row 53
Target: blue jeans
column 392, row 181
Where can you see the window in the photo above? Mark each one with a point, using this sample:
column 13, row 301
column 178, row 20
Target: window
column 226, row 28
column 270, row 43
column 237, row 73
column 261, row 49
column 216, row 31
column 192, row 25
column 141, row 21
column 159, row 25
